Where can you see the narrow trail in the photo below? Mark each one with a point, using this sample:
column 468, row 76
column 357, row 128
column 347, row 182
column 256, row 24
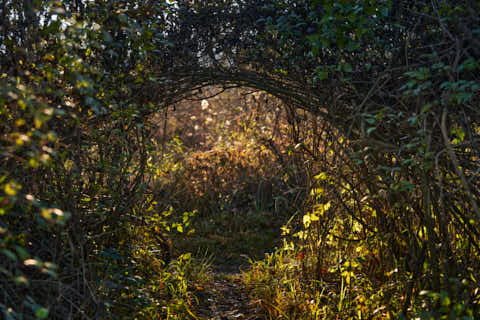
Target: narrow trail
column 225, row 298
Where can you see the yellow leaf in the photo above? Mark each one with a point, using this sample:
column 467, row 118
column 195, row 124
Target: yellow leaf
column 33, row 163
column 37, row 122
column 46, row 213
column 347, row 275
column 306, row 220
column 19, row 142
column 22, row 104
column 321, row 176
column 11, row 188
column 69, row 164
column 327, row 206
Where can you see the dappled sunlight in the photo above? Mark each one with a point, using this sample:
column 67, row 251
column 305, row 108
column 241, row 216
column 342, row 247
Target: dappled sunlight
column 228, row 174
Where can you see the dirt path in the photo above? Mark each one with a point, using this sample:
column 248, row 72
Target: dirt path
column 225, row 299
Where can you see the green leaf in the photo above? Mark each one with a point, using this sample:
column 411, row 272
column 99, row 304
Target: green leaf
column 425, row 108
column 464, row 97
column 22, row 253
column 384, row 11
column 370, row 120
column 41, row 313
column 122, row 17
column 21, row 279
column 107, row 37
column 347, row 67
column 445, row 85
column 9, row 254
column 322, row 75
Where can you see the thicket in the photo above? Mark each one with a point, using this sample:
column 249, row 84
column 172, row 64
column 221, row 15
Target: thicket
column 382, row 99
column 78, row 240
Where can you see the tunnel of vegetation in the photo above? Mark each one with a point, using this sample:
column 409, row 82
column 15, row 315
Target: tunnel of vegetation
column 383, row 113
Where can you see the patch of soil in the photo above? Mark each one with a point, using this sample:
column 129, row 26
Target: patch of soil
column 225, row 298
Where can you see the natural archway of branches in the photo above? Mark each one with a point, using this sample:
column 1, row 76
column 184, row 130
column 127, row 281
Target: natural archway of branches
column 381, row 110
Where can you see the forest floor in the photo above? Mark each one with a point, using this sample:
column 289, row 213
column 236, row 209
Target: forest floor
column 234, row 243
column 225, row 298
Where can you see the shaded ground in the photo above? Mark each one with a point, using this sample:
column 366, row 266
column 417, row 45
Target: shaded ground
column 225, row 299
column 233, row 240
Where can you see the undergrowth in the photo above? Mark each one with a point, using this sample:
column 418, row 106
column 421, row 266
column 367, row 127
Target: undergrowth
column 282, row 199
column 218, row 164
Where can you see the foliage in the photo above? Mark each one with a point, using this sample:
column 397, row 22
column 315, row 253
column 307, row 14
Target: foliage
column 75, row 144
column 379, row 156
column 399, row 186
